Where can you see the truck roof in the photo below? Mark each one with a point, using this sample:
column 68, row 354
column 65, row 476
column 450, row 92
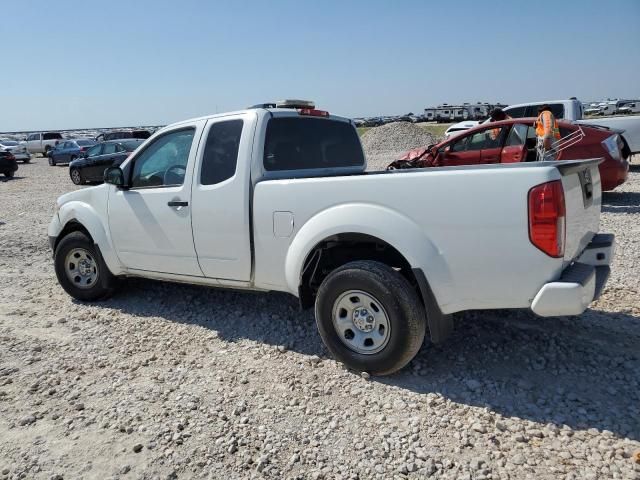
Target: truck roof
column 260, row 111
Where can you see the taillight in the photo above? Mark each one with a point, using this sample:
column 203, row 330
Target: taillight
column 82, row 149
column 547, row 218
column 313, row 112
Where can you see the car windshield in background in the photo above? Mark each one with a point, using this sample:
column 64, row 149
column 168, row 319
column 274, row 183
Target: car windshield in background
column 295, row 143
column 85, row 143
column 131, row 145
column 8, row 143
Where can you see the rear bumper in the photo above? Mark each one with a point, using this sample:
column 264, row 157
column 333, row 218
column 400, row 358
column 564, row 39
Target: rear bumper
column 580, row 283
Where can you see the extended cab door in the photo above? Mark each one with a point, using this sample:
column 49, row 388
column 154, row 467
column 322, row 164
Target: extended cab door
column 220, row 194
column 150, row 222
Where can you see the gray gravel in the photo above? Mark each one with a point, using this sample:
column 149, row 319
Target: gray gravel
column 173, row 381
column 382, row 145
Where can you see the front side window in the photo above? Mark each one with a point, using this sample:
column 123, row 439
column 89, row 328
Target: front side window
column 294, row 143
column 517, row 135
column 221, row 152
column 164, row 161
column 94, row 151
column 460, row 145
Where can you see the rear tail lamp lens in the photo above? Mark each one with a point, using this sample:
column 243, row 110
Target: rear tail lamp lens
column 547, row 218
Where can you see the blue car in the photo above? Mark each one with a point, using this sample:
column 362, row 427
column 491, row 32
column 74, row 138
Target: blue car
column 68, row 150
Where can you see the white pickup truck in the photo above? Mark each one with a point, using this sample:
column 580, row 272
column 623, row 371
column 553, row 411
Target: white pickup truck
column 628, row 126
column 274, row 198
column 42, row 142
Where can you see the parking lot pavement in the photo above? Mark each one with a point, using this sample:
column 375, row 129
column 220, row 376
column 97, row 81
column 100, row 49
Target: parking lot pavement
column 175, row 381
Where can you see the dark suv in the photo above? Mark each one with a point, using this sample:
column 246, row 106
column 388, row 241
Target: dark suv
column 8, row 163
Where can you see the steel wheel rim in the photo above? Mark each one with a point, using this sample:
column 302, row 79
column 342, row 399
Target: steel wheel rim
column 81, row 268
column 75, row 176
column 361, row 322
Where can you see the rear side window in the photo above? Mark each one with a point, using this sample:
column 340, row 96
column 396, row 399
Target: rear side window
column 221, row 152
column 516, row 112
column 52, row 136
column 109, row 148
column 556, row 108
column 294, row 143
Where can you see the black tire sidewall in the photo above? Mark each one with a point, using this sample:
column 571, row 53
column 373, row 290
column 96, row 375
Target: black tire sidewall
column 79, row 176
column 103, row 288
column 397, row 304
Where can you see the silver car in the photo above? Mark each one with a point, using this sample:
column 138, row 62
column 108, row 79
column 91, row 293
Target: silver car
column 18, row 149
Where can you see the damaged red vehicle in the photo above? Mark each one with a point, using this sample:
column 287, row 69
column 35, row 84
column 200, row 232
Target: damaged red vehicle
column 514, row 140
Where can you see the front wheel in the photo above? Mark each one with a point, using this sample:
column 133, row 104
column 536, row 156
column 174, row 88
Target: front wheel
column 370, row 317
column 76, row 177
column 9, row 174
column 52, row 162
column 80, row 269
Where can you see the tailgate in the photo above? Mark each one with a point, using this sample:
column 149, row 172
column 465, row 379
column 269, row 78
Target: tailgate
column 583, row 196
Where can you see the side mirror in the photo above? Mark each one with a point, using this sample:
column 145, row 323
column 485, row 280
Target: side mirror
column 114, row 176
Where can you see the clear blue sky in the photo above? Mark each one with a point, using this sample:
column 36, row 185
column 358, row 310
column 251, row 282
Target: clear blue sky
column 69, row 64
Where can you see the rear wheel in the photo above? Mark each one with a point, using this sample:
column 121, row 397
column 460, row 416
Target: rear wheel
column 80, row 269
column 370, row 317
column 47, row 149
column 76, row 176
column 9, row 174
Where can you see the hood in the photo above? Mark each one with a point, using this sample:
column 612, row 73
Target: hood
column 88, row 195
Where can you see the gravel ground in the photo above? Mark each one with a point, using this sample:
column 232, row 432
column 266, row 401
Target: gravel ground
column 382, row 145
column 173, row 381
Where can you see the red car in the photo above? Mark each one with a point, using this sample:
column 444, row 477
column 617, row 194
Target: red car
column 514, row 140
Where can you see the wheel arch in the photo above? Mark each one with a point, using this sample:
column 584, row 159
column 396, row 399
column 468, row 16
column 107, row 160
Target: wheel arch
column 78, row 216
column 369, row 232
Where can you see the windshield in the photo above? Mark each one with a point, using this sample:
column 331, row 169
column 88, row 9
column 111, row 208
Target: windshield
column 85, row 143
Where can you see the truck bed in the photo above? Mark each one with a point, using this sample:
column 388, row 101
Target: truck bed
column 458, row 224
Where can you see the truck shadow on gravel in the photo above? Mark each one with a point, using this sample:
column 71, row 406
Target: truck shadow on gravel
column 581, row 372
column 621, row 202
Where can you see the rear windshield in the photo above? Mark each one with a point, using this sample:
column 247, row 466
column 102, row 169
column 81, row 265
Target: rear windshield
column 85, row 143
column 294, row 143
column 130, row 146
column 51, row 136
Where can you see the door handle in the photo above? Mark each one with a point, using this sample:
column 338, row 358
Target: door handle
column 177, row 203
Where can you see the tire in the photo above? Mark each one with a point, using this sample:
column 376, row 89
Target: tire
column 52, row 162
column 87, row 278
column 26, row 160
column 46, row 151
column 386, row 294
column 76, row 176
column 9, row 174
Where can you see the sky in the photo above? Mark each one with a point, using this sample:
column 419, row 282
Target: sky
column 82, row 64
